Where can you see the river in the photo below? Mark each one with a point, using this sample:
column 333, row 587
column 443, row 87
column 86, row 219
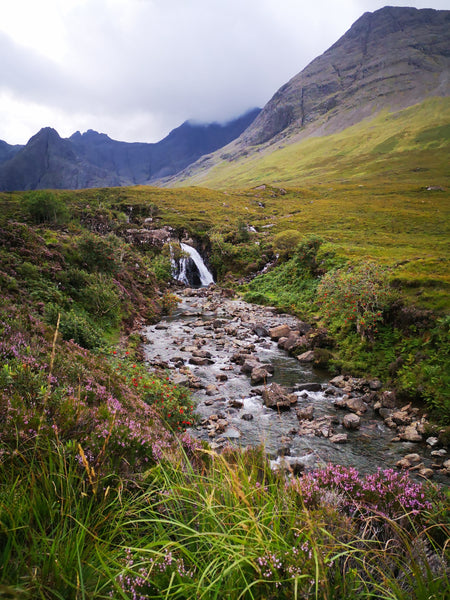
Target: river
column 220, row 327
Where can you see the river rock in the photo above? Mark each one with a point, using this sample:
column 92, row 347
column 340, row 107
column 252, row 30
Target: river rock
column 309, row 387
column 200, row 362
column 401, row 417
column 338, row 381
column 426, row 472
column 259, row 375
column 305, row 412
column 211, row 389
column 249, row 364
column 247, row 417
column 275, row 396
column 375, row 385
column 432, row 441
column 388, row 399
column 279, row 331
column 356, row 405
column 260, row 330
column 306, row 357
column 236, row 403
column 339, row 438
column 351, row 421
column 410, row 434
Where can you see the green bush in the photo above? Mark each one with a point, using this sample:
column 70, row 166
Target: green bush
column 74, row 325
column 46, row 207
column 357, row 295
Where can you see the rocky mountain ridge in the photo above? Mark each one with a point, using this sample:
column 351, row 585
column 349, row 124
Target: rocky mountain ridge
column 390, row 59
column 93, row 159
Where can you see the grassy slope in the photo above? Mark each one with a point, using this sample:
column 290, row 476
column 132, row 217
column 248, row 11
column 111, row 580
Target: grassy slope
column 411, row 145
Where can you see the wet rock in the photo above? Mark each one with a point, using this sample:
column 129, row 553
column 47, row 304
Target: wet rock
column 338, row 381
column 441, row 452
column 432, row 441
column 260, row 330
column 410, row 434
column 200, row 362
column 236, row 403
column 279, row 331
column 249, row 364
column 247, row 417
column 201, row 354
column 211, row 389
column 309, row 387
column 388, row 399
column 222, row 377
column 339, row 438
column 305, row 412
column 446, row 464
column 231, row 433
column 259, row 375
column 401, row 418
column 356, row 405
column 375, row 385
column 306, row 357
column 276, row 396
column 351, row 421
column 426, row 472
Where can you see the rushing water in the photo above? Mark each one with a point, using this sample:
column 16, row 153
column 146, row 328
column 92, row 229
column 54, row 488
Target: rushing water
column 195, row 324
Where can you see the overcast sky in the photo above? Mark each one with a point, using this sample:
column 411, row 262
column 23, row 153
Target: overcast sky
column 135, row 69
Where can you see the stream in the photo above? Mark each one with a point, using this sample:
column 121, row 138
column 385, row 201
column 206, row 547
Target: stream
column 216, row 328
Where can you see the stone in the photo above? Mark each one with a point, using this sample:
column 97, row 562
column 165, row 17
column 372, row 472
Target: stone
column 339, row 438
column 410, row 434
column 401, row 417
column 247, row 417
column 222, row 377
column 309, row 387
column 412, row 458
column 375, row 385
column 432, row 441
column 427, row 473
column 200, row 362
column 275, row 396
column 279, row 331
column 446, row 464
column 356, row 405
column 388, row 399
column 305, row 412
column 259, row 375
column 211, row 389
column 351, row 421
column 306, row 357
column 236, row 403
column 260, row 330
column 338, row 381
column 250, row 364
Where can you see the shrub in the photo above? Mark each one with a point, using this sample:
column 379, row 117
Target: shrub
column 357, row 295
column 46, row 207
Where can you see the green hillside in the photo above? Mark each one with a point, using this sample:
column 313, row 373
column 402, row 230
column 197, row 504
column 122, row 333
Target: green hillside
column 411, row 146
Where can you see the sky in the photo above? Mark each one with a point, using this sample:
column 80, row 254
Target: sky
column 136, row 69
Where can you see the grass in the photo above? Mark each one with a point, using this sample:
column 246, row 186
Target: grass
column 208, row 526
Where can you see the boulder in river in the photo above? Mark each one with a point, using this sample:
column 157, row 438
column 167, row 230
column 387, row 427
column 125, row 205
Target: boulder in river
column 277, row 397
column 259, row 375
column 279, row 331
column 351, row 421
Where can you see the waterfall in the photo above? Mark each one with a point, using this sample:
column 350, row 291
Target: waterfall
column 192, row 270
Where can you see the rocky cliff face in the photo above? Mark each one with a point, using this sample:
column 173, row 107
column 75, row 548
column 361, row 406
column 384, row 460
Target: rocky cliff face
column 94, row 160
column 392, row 58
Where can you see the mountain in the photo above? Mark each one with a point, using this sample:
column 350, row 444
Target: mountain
column 390, row 59
column 93, row 159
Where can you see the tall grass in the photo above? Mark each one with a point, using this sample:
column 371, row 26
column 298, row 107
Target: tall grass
column 205, row 526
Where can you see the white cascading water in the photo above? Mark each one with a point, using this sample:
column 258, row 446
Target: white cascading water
column 205, row 276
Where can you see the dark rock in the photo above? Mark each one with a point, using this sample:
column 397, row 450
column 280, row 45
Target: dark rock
column 247, row 417
column 309, row 387
column 259, row 375
column 260, row 330
column 305, row 412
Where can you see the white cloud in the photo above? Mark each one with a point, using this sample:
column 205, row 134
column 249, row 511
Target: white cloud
column 137, row 68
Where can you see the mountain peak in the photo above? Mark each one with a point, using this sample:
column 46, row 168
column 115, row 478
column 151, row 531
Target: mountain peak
column 393, row 57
